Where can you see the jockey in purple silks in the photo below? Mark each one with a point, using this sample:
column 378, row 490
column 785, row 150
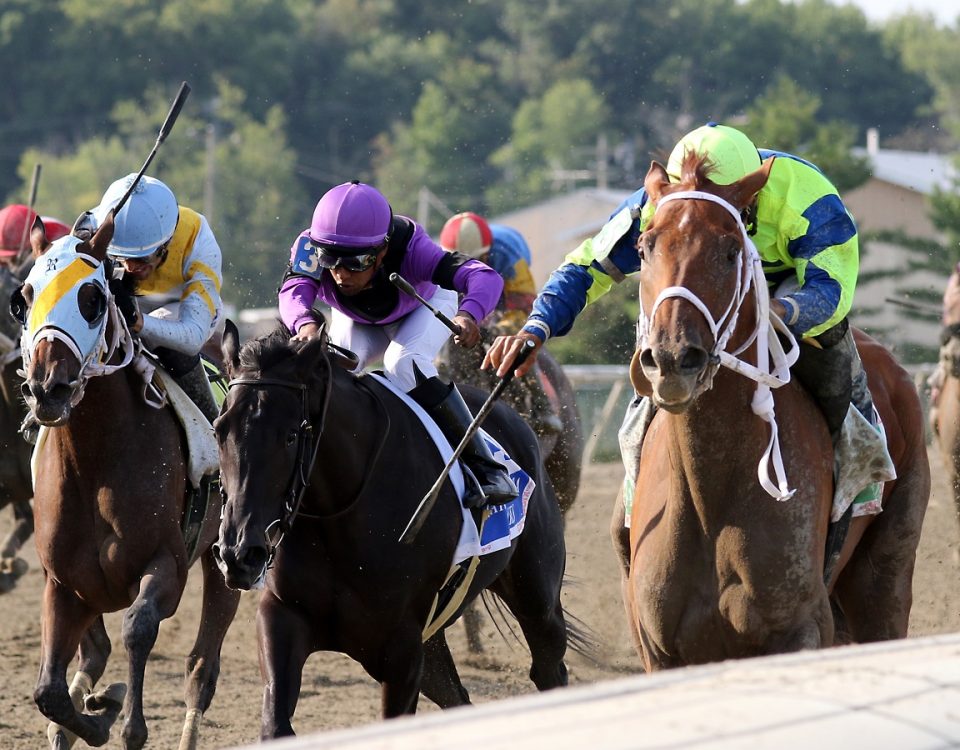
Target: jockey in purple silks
column 345, row 260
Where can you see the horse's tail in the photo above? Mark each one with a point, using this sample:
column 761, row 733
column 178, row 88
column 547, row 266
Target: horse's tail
column 581, row 638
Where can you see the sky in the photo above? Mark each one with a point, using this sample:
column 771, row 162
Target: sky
column 945, row 11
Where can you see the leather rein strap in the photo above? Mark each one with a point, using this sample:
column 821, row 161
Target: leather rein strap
column 308, row 445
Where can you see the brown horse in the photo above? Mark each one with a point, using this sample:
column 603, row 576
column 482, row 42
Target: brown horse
column 946, row 423
column 719, row 569
column 111, row 483
column 16, row 486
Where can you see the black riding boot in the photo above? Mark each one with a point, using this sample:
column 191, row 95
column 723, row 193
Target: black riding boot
column 827, row 374
column 492, row 485
column 190, row 375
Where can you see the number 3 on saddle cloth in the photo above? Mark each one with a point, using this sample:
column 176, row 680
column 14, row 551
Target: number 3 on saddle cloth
column 202, row 454
column 498, row 526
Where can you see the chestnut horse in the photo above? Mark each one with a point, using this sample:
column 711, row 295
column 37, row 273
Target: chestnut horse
column 718, row 568
column 111, row 486
column 16, row 486
column 295, row 427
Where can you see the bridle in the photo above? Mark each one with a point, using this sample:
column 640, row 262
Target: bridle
column 749, row 275
column 308, row 446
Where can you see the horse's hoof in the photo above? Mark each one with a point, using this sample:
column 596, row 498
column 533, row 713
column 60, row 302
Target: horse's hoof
column 108, row 701
column 60, row 738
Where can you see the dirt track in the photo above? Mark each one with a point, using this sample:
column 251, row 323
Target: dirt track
column 336, row 692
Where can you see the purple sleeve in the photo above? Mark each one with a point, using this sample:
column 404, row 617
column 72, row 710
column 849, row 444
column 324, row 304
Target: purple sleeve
column 480, row 286
column 297, row 296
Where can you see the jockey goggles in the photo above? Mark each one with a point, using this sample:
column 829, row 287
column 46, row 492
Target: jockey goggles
column 329, row 257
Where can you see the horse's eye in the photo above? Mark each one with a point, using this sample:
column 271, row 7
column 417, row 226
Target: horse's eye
column 731, row 249
column 20, row 303
column 291, row 438
column 92, row 302
column 645, row 245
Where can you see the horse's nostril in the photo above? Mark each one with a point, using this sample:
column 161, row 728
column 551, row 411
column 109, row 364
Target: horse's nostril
column 693, row 359
column 255, row 558
column 647, row 359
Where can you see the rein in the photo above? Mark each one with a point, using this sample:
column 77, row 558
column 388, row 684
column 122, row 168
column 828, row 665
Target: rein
column 308, row 446
column 749, row 275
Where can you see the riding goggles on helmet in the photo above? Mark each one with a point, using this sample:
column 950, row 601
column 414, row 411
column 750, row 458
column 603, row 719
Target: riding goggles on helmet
column 330, row 258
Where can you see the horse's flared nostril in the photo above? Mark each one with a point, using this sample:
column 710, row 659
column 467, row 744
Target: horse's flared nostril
column 693, row 360
column 255, row 558
column 647, row 360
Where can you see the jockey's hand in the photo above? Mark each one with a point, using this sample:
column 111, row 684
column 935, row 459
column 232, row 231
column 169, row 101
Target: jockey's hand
column 504, row 351
column 778, row 309
column 127, row 304
column 306, row 331
column 469, row 335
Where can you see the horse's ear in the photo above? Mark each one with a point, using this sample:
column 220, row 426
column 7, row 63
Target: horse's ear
column 98, row 244
column 38, row 238
column 230, row 347
column 309, row 356
column 655, row 181
column 742, row 192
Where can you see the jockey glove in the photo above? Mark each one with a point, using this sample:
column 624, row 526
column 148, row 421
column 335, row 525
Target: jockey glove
column 122, row 291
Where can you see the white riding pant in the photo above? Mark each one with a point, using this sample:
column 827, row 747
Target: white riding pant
column 414, row 339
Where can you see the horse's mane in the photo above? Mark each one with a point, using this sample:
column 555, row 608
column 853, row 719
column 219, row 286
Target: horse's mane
column 695, row 170
column 267, row 351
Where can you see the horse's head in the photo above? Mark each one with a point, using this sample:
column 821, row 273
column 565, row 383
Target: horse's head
column 694, row 275
column 62, row 307
column 267, row 433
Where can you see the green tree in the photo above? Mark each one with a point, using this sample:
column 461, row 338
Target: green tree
column 785, row 118
column 259, row 206
column 557, row 131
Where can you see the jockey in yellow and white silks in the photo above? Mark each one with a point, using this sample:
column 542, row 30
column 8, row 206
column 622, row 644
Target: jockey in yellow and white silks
column 167, row 250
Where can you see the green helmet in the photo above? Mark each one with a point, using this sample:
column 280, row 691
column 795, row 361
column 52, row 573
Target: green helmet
column 732, row 154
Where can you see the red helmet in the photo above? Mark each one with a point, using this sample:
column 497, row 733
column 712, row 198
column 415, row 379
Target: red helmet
column 15, row 223
column 467, row 233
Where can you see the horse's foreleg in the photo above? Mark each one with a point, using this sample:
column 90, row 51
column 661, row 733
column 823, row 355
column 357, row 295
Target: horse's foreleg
column 65, row 620
column 441, row 682
column 203, row 663
column 283, row 639
column 23, row 528
column 159, row 595
column 400, row 672
column 11, row 566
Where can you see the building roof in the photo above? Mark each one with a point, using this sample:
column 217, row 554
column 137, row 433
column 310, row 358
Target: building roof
column 915, row 170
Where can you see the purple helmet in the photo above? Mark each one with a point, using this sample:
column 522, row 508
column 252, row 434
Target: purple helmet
column 351, row 218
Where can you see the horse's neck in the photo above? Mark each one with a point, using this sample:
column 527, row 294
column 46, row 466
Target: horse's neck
column 718, row 442
column 352, row 431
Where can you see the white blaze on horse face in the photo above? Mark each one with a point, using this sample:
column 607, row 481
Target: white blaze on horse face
column 56, row 279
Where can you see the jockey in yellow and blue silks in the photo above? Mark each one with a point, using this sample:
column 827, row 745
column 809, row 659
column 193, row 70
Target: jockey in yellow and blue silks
column 807, row 242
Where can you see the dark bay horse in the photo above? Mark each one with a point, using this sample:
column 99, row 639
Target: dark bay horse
column 562, row 453
column 111, row 485
column 341, row 580
column 16, row 486
column 718, row 568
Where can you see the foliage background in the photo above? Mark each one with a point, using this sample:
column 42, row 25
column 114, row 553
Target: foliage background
column 488, row 104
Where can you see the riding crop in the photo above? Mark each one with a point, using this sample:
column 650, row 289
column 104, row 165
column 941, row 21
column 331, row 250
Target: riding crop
column 165, row 129
column 426, row 505
column 407, row 288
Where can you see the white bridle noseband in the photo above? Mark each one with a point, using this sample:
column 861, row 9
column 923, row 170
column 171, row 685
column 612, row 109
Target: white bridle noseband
column 772, row 369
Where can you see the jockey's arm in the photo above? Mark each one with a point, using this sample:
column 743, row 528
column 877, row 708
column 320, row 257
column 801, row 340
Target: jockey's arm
column 200, row 305
column 587, row 274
